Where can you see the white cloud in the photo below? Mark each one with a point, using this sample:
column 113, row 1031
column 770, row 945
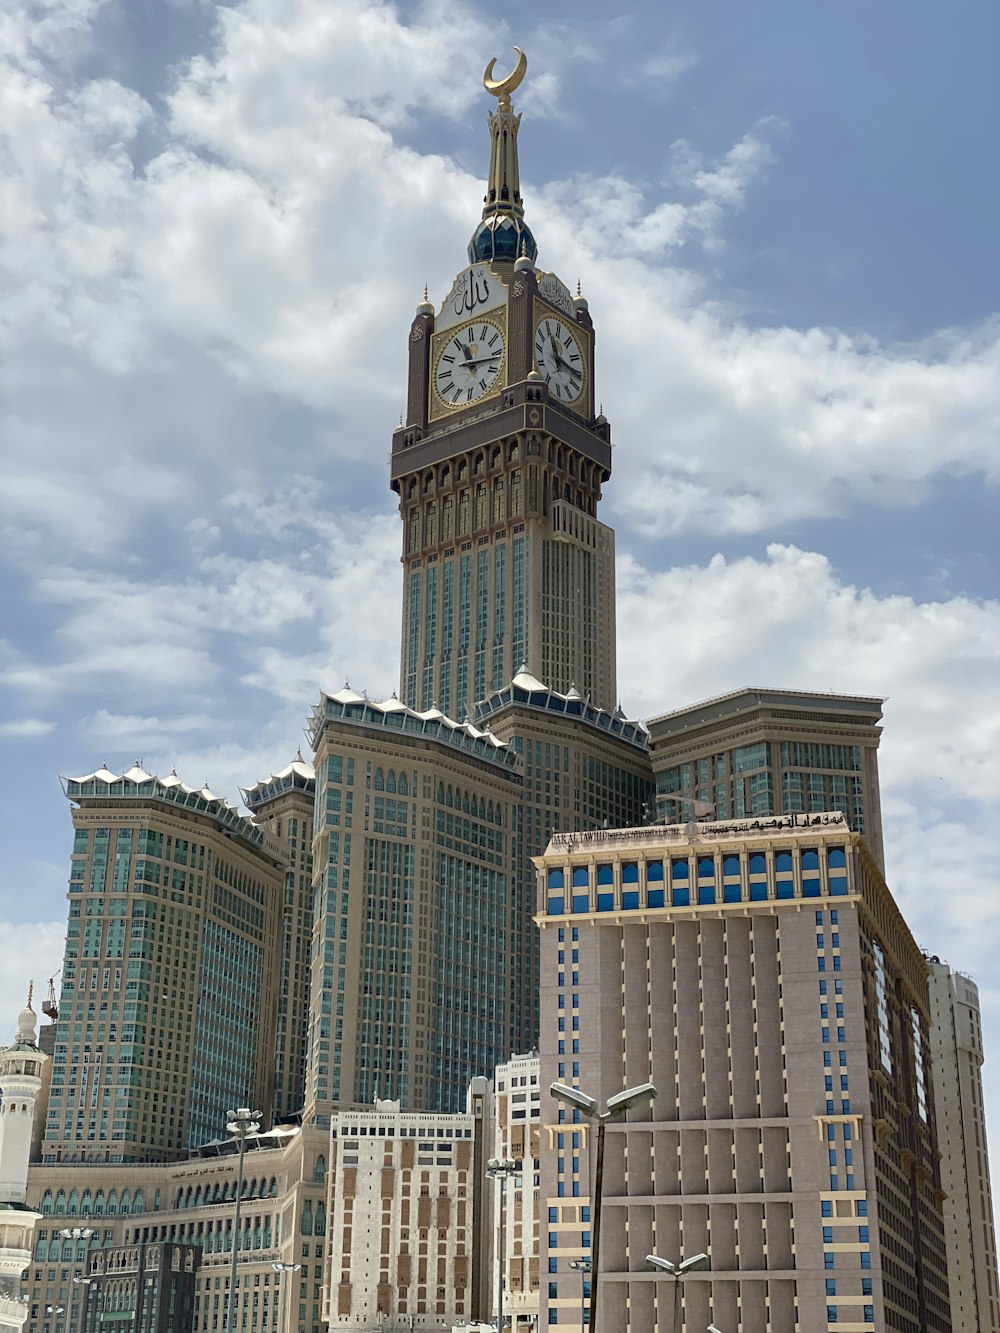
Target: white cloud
column 31, row 951
column 27, row 728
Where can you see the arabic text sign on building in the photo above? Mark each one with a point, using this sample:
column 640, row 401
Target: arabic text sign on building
column 767, row 827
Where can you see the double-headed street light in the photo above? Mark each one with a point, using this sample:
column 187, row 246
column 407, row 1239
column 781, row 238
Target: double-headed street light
column 582, row 1266
column 501, row 1169
column 678, row 1272
column 590, row 1107
column 241, row 1123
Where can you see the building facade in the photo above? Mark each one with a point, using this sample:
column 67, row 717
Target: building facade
column 759, row 974
column 956, row 1046
column 142, row 1288
column 771, row 752
column 282, row 807
column 516, row 1130
column 191, row 1204
column 169, row 981
column 416, row 855
column 409, row 1240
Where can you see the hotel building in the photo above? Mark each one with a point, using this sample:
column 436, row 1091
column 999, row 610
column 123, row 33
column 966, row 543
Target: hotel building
column 515, row 1264
column 956, row 1049
column 759, row 974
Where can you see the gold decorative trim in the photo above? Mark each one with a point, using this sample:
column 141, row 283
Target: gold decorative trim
column 497, row 319
column 544, row 311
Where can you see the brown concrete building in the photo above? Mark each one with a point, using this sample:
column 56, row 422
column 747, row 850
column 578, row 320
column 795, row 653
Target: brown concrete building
column 409, row 1209
column 956, row 1049
column 191, row 1203
column 170, row 977
column 144, row 1288
column 761, row 976
column 282, row 807
column 771, row 752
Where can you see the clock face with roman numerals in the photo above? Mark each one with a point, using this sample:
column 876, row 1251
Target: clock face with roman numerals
column 559, row 359
column 469, row 363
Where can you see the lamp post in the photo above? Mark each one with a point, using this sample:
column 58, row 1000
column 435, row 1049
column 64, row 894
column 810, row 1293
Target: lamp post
column 501, row 1169
column 582, row 1266
column 712, row 1329
column 74, row 1234
column 240, row 1123
column 678, row 1272
column 58, row 1310
column 280, row 1268
column 590, row 1107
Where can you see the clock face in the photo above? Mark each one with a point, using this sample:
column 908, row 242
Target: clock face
column 559, row 359
column 469, row 362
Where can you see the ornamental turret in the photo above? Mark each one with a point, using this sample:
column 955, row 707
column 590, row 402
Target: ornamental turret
column 21, row 1067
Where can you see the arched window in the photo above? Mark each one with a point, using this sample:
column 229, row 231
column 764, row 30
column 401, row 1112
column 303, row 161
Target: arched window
column 319, row 1173
column 41, row 1251
column 320, row 1226
column 113, row 1202
column 99, row 1204
column 379, row 780
column 47, row 1203
column 404, row 786
column 86, row 1204
column 74, row 1203
column 138, row 1206
column 126, row 1203
column 307, row 1219
column 390, row 781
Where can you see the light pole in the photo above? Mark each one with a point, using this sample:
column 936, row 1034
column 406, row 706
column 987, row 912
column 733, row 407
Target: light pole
column 617, row 1105
column 678, row 1272
column 280, row 1268
column 712, row 1329
column 501, row 1169
column 58, row 1310
column 582, row 1266
column 240, row 1123
column 74, row 1234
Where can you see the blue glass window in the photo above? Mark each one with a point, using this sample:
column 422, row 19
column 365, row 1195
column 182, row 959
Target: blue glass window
column 810, row 888
column 730, row 865
column 826, row 1208
column 866, row 1259
column 866, row 1286
column 838, row 886
column 581, row 902
column 785, row 888
column 553, row 1265
column 863, row 1235
column 706, row 867
column 654, row 872
column 581, row 877
column 655, row 897
column 682, row 895
column 630, row 899
column 831, row 1314
column 630, row 872
column 835, row 858
column 828, row 1261
column 869, row 1314
column 862, row 1208
column 758, row 863
column 556, row 880
column 556, row 906
column 783, row 861
column 679, row 869
column 731, row 893
column 831, row 1286
column 828, row 1235
column 605, row 875
column 758, row 892
column 706, row 894
column 810, row 859
column 605, row 902
column 553, row 1214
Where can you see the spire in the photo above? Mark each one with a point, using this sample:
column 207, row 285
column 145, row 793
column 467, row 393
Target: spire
column 502, row 234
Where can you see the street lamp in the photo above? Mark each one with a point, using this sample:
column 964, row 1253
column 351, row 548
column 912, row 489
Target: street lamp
column 582, row 1266
column 241, row 1123
column 589, row 1106
column 57, row 1310
column 501, row 1169
column 712, row 1329
column 678, row 1272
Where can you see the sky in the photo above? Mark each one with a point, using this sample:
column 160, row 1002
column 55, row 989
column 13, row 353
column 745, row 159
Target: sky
column 215, row 224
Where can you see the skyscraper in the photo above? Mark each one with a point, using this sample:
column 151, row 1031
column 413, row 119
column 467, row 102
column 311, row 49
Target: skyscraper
column 425, row 952
column 759, row 974
column 956, row 1047
column 170, row 976
column 499, row 468
column 771, row 752
column 282, row 806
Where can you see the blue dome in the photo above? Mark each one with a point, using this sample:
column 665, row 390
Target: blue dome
column 502, row 237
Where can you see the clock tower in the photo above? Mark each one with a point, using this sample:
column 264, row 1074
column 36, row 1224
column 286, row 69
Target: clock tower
column 499, row 468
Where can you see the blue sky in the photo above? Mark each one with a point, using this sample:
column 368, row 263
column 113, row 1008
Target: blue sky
column 216, row 224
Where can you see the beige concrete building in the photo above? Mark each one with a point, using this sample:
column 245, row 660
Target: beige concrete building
column 516, row 1128
column 771, row 752
column 22, row 1065
column 415, row 942
column 409, row 1238
column 956, row 1049
column 170, row 976
column 283, row 1220
column 759, row 974
column 282, row 807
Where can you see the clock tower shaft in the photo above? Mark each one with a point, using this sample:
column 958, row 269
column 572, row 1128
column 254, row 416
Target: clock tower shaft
column 499, row 471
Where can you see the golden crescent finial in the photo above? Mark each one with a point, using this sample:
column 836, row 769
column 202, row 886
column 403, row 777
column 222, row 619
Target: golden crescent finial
column 502, row 88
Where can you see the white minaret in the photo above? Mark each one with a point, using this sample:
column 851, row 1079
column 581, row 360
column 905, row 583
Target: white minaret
column 20, row 1082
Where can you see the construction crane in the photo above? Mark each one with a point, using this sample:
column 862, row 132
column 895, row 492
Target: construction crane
column 50, row 1006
